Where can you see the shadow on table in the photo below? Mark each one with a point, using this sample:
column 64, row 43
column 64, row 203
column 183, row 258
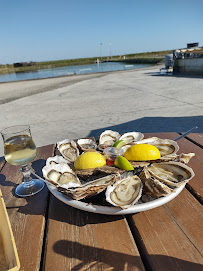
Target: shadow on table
column 60, row 211
column 34, row 205
column 155, row 125
column 97, row 258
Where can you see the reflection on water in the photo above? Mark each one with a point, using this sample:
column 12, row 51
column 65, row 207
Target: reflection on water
column 61, row 71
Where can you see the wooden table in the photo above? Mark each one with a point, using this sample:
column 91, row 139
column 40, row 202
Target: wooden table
column 51, row 235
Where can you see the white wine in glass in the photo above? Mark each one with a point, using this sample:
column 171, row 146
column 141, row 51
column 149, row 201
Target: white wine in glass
column 20, row 149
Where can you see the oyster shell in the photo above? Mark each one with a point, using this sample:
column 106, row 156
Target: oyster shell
column 171, row 173
column 108, row 138
column 125, row 192
column 56, row 160
column 84, row 173
column 132, row 137
column 152, row 186
column 68, row 149
column 60, row 175
column 86, row 144
column 160, row 179
column 89, row 189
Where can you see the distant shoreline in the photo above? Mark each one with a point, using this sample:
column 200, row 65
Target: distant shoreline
column 94, row 74
column 139, row 58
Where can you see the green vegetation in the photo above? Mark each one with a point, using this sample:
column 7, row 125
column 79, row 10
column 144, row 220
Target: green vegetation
column 140, row 58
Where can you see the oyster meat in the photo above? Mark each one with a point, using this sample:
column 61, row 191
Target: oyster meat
column 86, row 144
column 60, row 175
column 68, row 149
column 132, row 137
column 125, row 192
column 108, row 138
column 56, row 160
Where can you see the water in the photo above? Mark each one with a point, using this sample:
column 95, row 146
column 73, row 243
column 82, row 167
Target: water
column 79, row 69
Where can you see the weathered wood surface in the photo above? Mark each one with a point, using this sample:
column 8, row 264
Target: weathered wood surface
column 79, row 240
column 197, row 138
column 172, row 234
column 27, row 215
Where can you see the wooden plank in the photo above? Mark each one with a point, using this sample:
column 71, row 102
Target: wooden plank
column 78, row 240
column 198, row 138
column 26, row 214
column 2, row 162
column 172, row 234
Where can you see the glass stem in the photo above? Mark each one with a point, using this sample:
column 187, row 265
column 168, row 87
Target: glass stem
column 27, row 179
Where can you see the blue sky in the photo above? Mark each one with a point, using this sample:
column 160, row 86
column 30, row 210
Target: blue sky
column 64, row 29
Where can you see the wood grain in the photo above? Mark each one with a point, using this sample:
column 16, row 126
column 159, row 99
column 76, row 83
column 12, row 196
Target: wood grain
column 79, row 240
column 172, row 233
column 26, row 214
column 198, row 138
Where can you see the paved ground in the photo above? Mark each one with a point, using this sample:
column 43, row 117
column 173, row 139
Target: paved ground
column 83, row 105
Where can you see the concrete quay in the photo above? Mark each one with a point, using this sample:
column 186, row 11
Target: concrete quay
column 85, row 105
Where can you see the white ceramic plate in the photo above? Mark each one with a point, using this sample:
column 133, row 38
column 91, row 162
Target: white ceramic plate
column 113, row 210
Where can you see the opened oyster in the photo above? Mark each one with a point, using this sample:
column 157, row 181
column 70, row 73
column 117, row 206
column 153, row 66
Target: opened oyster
column 108, row 138
column 56, row 160
column 160, row 179
column 60, row 174
column 124, row 193
column 131, row 137
column 89, row 189
column 86, row 144
column 68, row 149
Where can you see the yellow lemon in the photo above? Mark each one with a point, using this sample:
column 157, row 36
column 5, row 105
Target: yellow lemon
column 122, row 163
column 90, row 160
column 142, row 152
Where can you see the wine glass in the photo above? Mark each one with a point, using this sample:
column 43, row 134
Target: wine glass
column 20, row 149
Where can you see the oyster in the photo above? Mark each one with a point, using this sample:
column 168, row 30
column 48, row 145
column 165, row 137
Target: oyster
column 152, row 186
column 125, row 192
column 89, row 189
column 183, row 157
column 85, row 173
column 108, row 138
column 68, row 149
column 56, row 160
column 60, row 175
column 160, row 179
column 86, row 144
column 131, row 137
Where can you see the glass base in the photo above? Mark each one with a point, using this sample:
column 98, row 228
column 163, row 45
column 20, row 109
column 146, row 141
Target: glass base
column 30, row 188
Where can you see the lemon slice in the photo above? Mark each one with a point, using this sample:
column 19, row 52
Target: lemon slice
column 122, row 163
column 142, row 152
column 119, row 143
column 90, row 160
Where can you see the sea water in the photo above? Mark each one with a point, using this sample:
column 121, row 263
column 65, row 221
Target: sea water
column 69, row 70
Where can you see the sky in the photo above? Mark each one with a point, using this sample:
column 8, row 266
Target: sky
column 41, row 30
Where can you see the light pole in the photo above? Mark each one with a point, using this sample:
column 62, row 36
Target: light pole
column 101, row 50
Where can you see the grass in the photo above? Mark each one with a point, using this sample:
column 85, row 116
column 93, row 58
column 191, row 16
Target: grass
column 140, row 58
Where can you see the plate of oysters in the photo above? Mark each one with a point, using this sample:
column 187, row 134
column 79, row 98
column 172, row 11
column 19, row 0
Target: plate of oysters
column 117, row 174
